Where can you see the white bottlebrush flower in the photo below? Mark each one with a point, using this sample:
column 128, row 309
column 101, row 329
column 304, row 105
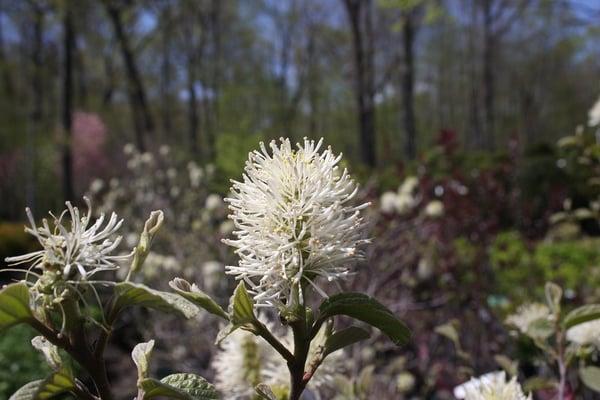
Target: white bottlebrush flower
column 527, row 314
column 77, row 250
column 238, row 364
column 491, row 386
column 587, row 333
column 245, row 360
column 594, row 114
column 293, row 220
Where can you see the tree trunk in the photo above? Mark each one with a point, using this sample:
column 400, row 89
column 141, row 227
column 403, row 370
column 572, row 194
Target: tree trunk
column 67, row 106
column 359, row 13
column 488, row 75
column 408, row 83
column 166, row 74
column 143, row 122
column 475, row 137
column 192, row 106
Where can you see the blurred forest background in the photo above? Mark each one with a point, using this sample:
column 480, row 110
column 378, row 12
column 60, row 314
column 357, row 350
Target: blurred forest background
column 467, row 123
column 379, row 79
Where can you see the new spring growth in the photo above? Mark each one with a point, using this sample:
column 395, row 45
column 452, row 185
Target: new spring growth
column 151, row 227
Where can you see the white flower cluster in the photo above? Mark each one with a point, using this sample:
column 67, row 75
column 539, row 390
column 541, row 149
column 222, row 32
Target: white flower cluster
column 405, row 200
column 594, row 114
column 491, row 386
column 584, row 334
column 76, row 250
column 245, row 360
column 293, row 220
column 527, row 314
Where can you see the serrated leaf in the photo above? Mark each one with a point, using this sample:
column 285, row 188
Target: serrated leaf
column 27, row 392
column 241, row 306
column 57, row 383
column 135, row 294
column 590, row 376
column 538, row 383
column 364, row 308
column 141, row 357
column 343, row 338
column 265, row 392
column 49, row 351
column 198, row 297
column 553, row 296
column 180, row 386
column 14, row 305
column 582, row 314
column 541, row 328
column 510, row 366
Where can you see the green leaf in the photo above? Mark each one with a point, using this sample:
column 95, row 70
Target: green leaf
column 180, row 386
column 141, row 357
column 198, row 297
column 57, row 383
column 14, row 305
column 590, row 376
column 345, row 337
column 582, row 314
column 135, row 294
column 241, row 307
column 241, row 313
column 553, row 296
column 27, row 392
column 49, row 351
column 366, row 309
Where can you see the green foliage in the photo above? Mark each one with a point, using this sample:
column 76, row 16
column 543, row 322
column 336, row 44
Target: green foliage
column 14, row 305
column 135, row 294
column 519, row 267
column 364, row 308
column 343, row 338
column 19, row 362
column 198, row 297
column 180, row 386
column 232, row 153
column 590, row 376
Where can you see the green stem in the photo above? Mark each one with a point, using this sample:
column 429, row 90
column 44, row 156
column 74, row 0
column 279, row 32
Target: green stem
column 263, row 332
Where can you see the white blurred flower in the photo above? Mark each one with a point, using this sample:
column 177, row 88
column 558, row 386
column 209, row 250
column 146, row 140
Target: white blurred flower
column 404, row 203
column 76, row 249
column 172, row 173
column 434, row 209
column 527, row 314
column 388, row 202
column 238, row 364
column 409, row 185
column 211, row 273
column 129, row 148
column 587, row 333
column 164, row 150
column 196, row 174
column 147, row 158
column 246, row 360
column 293, row 220
column 491, row 386
column 226, row 227
column 405, row 382
column 96, row 186
column 594, row 114
column 213, row 202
